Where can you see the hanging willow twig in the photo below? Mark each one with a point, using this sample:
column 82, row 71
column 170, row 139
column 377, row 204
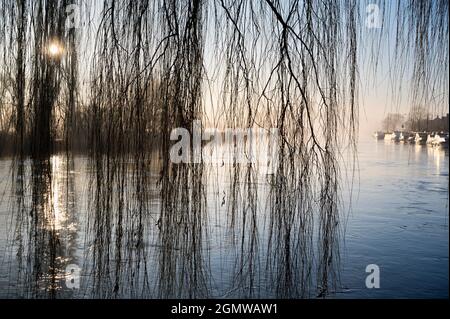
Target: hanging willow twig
column 146, row 68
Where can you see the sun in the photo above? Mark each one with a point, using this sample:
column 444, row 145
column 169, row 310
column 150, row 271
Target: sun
column 55, row 49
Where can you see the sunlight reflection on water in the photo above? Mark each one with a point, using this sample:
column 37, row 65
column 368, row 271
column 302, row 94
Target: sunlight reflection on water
column 399, row 220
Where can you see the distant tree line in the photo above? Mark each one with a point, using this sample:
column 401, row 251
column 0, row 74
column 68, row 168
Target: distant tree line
column 417, row 123
column 438, row 124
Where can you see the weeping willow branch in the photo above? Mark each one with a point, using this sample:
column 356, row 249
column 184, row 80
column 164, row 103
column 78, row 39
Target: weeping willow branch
column 146, row 69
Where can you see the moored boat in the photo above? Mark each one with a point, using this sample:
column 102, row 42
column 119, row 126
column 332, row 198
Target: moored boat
column 408, row 137
column 440, row 139
column 421, row 138
column 431, row 137
column 379, row 135
column 388, row 136
column 397, row 136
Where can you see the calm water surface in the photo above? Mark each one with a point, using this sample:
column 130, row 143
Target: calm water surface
column 397, row 219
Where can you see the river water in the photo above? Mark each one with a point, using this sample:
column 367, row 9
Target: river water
column 394, row 213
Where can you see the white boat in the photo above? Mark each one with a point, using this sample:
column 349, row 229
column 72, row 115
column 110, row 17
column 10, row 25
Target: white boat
column 430, row 138
column 388, row 136
column 379, row 135
column 440, row 140
column 421, row 138
column 397, row 136
column 407, row 137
